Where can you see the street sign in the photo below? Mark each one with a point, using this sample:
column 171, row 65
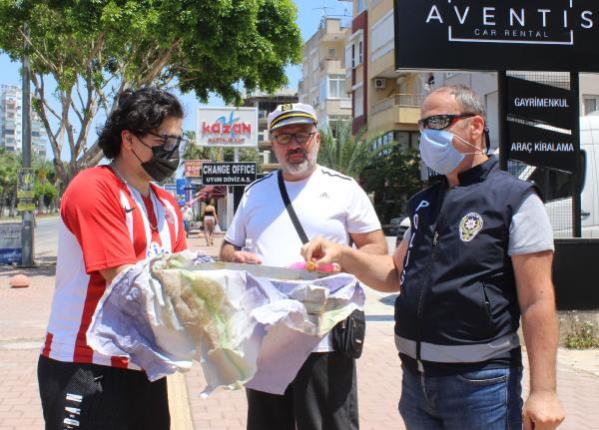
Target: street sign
column 541, row 147
column 10, row 243
column 25, row 205
column 171, row 188
column 183, row 185
column 26, row 179
column 539, row 124
column 236, row 174
column 22, row 194
column 533, row 101
column 192, row 168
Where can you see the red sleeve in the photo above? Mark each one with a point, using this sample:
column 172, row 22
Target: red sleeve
column 92, row 211
column 181, row 243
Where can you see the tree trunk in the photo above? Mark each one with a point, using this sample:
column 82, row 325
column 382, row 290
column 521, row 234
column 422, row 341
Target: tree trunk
column 2, row 200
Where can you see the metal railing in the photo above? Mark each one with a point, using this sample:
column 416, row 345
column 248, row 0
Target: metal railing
column 399, row 100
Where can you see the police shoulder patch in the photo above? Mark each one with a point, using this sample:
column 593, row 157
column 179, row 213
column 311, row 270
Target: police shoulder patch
column 470, row 225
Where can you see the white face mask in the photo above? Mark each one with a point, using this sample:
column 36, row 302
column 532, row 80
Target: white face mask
column 437, row 150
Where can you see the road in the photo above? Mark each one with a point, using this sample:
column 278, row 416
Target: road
column 46, row 238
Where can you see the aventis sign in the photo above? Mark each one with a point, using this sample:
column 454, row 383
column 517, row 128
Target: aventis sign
column 497, row 35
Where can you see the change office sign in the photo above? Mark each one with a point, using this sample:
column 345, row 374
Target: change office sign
column 497, row 35
column 236, row 174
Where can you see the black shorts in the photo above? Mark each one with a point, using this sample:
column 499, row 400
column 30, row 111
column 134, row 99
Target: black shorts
column 323, row 395
column 90, row 396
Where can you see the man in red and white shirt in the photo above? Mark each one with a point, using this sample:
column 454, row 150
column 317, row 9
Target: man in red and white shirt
column 111, row 217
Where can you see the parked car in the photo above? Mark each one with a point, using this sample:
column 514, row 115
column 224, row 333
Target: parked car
column 404, row 225
column 396, row 227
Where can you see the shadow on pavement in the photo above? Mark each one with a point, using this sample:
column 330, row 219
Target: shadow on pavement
column 44, row 266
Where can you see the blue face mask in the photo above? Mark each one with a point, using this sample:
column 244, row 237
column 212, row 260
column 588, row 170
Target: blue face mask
column 437, row 150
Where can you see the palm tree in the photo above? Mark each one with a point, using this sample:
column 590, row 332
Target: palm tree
column 349, row 154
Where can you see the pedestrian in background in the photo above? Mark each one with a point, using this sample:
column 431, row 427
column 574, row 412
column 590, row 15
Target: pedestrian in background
column 187, row 218
column 210, row 221
column 323, row 395
column 111, row 217
column 477, row 258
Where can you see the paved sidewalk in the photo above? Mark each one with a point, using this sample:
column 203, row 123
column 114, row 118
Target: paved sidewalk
column 24, row 314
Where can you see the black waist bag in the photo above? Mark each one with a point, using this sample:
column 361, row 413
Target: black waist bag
column 348, row 335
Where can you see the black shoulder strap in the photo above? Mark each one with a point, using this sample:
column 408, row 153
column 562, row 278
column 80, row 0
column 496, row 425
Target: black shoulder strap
column 298, row 227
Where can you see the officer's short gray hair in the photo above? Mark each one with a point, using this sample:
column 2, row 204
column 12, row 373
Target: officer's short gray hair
column 467, row 99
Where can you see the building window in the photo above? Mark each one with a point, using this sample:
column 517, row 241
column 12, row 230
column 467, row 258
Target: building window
column 356, row 49
column 314, row 64
column 361, row 51
column 359, row 102
column 591, row 104
column 332, row 53
column 336, row 86
column 382, row 39
column 362, row 5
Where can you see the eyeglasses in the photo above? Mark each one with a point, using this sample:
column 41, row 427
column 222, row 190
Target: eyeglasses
column 285, row 138
column 170, row 142
column 440, row 122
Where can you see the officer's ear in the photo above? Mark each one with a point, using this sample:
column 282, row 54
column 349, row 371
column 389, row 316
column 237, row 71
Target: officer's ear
column 477, row 128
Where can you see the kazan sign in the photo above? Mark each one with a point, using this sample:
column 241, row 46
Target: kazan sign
column 228, row 127
column 557, row 35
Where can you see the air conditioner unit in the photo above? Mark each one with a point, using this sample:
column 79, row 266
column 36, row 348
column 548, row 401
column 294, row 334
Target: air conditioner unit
column 380, row 84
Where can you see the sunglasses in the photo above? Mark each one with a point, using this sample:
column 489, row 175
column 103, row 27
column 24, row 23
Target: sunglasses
column 285, row 138
column 170, row 142
column 440, row 122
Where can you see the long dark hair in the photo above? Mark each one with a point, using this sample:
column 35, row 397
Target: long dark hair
column 139, row 111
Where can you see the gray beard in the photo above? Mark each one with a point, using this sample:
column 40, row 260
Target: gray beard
column 298, row 169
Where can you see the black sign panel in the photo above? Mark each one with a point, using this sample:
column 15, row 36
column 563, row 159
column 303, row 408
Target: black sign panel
column 541, row 147
column 497, row 35
column 228, row 173
column 537, row 102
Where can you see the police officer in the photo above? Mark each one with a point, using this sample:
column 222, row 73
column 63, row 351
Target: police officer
column 476, row 258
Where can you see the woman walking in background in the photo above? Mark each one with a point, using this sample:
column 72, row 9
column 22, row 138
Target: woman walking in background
column 210, row 221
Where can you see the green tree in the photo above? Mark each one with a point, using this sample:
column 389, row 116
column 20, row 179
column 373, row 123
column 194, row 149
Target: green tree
column 346, row 153
column 393, row 179
column 45, row 194
column 95, row 49
column 46, row 186
column 9, row 168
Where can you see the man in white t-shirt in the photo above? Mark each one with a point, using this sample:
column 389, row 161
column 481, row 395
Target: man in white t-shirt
column 477, row 257
column 329, row 204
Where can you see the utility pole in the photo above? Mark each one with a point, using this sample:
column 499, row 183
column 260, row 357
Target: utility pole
column 26, row 176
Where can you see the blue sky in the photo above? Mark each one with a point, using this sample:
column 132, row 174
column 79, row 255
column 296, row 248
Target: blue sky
column 310, row 13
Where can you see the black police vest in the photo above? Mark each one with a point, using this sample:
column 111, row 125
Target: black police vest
column 458, row 301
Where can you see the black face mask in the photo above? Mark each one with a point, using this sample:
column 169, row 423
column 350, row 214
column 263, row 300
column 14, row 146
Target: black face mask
column 162, row 164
